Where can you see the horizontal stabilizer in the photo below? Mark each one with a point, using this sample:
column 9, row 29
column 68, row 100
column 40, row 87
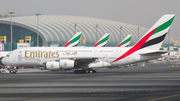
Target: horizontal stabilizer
column 154, row 53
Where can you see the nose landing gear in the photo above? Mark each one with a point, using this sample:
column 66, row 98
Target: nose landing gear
column 12, row 71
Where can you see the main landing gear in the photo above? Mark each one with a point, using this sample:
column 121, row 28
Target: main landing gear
column 84, row 71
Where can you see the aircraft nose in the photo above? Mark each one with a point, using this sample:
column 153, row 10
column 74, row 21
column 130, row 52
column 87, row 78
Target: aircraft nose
column 3, row 61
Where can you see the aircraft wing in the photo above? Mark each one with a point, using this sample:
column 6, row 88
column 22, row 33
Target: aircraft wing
column 83, row 62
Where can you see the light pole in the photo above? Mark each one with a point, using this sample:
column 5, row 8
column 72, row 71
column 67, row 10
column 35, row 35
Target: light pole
column 37, row 28
column 75, row 27
column 120, row 33
column 96, row 32
column 138, row 34
column 11, row 28
column 168, row 40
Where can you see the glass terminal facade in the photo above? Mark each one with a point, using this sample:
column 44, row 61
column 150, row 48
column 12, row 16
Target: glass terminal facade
column 17, row 33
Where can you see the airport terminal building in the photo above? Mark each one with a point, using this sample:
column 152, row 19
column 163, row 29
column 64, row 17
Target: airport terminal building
column 58, row 29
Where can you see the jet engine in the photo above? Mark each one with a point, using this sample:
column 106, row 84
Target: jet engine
column 64, row 64
column 52, row 65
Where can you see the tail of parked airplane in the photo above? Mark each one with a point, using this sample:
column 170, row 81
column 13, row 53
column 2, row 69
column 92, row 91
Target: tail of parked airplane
column 153, row 38
column 74, row 40
column 125, row 42
column 103, row 41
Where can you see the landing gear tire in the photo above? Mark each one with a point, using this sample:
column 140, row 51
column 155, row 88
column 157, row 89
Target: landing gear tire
column 84, row 71
column 11, row 71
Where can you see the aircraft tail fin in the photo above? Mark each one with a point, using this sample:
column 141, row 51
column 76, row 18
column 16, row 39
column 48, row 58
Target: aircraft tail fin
column 125, row 42
column 74, row 40
column 154, row 37
column 103, row 41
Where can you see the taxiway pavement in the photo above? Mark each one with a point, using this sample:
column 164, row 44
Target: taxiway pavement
column 154, row 82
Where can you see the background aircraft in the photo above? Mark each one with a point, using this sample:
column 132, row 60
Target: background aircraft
column 103, row 41
column 125, row 42
column 74, row 40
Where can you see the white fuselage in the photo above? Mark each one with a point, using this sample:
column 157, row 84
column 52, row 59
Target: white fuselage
column 37, row 56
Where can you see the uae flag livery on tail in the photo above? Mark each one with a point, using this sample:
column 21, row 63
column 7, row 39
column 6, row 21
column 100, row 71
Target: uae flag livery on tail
column 125, row 42
column 73, row 42
column 154, row 37
column 103, row 41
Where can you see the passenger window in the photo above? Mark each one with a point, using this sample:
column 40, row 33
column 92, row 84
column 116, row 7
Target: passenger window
column 7, row 55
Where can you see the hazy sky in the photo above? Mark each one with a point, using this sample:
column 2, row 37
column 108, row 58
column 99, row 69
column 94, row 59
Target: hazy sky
column 143, row 13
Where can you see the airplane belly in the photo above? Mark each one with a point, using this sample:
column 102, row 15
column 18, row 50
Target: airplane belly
column 29, row 63
column 99, row 64
column 127, row 60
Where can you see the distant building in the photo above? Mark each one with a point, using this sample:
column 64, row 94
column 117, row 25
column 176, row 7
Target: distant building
column 58, row 29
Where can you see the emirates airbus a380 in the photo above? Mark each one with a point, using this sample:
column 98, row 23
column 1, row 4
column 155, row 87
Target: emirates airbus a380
column 84, row 59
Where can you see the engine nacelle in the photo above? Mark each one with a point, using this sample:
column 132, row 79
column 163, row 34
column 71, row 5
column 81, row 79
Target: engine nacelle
column 67, row 64
column 52, row 65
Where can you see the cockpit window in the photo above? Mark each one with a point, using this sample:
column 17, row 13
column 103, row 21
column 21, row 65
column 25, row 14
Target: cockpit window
column 7, row 55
